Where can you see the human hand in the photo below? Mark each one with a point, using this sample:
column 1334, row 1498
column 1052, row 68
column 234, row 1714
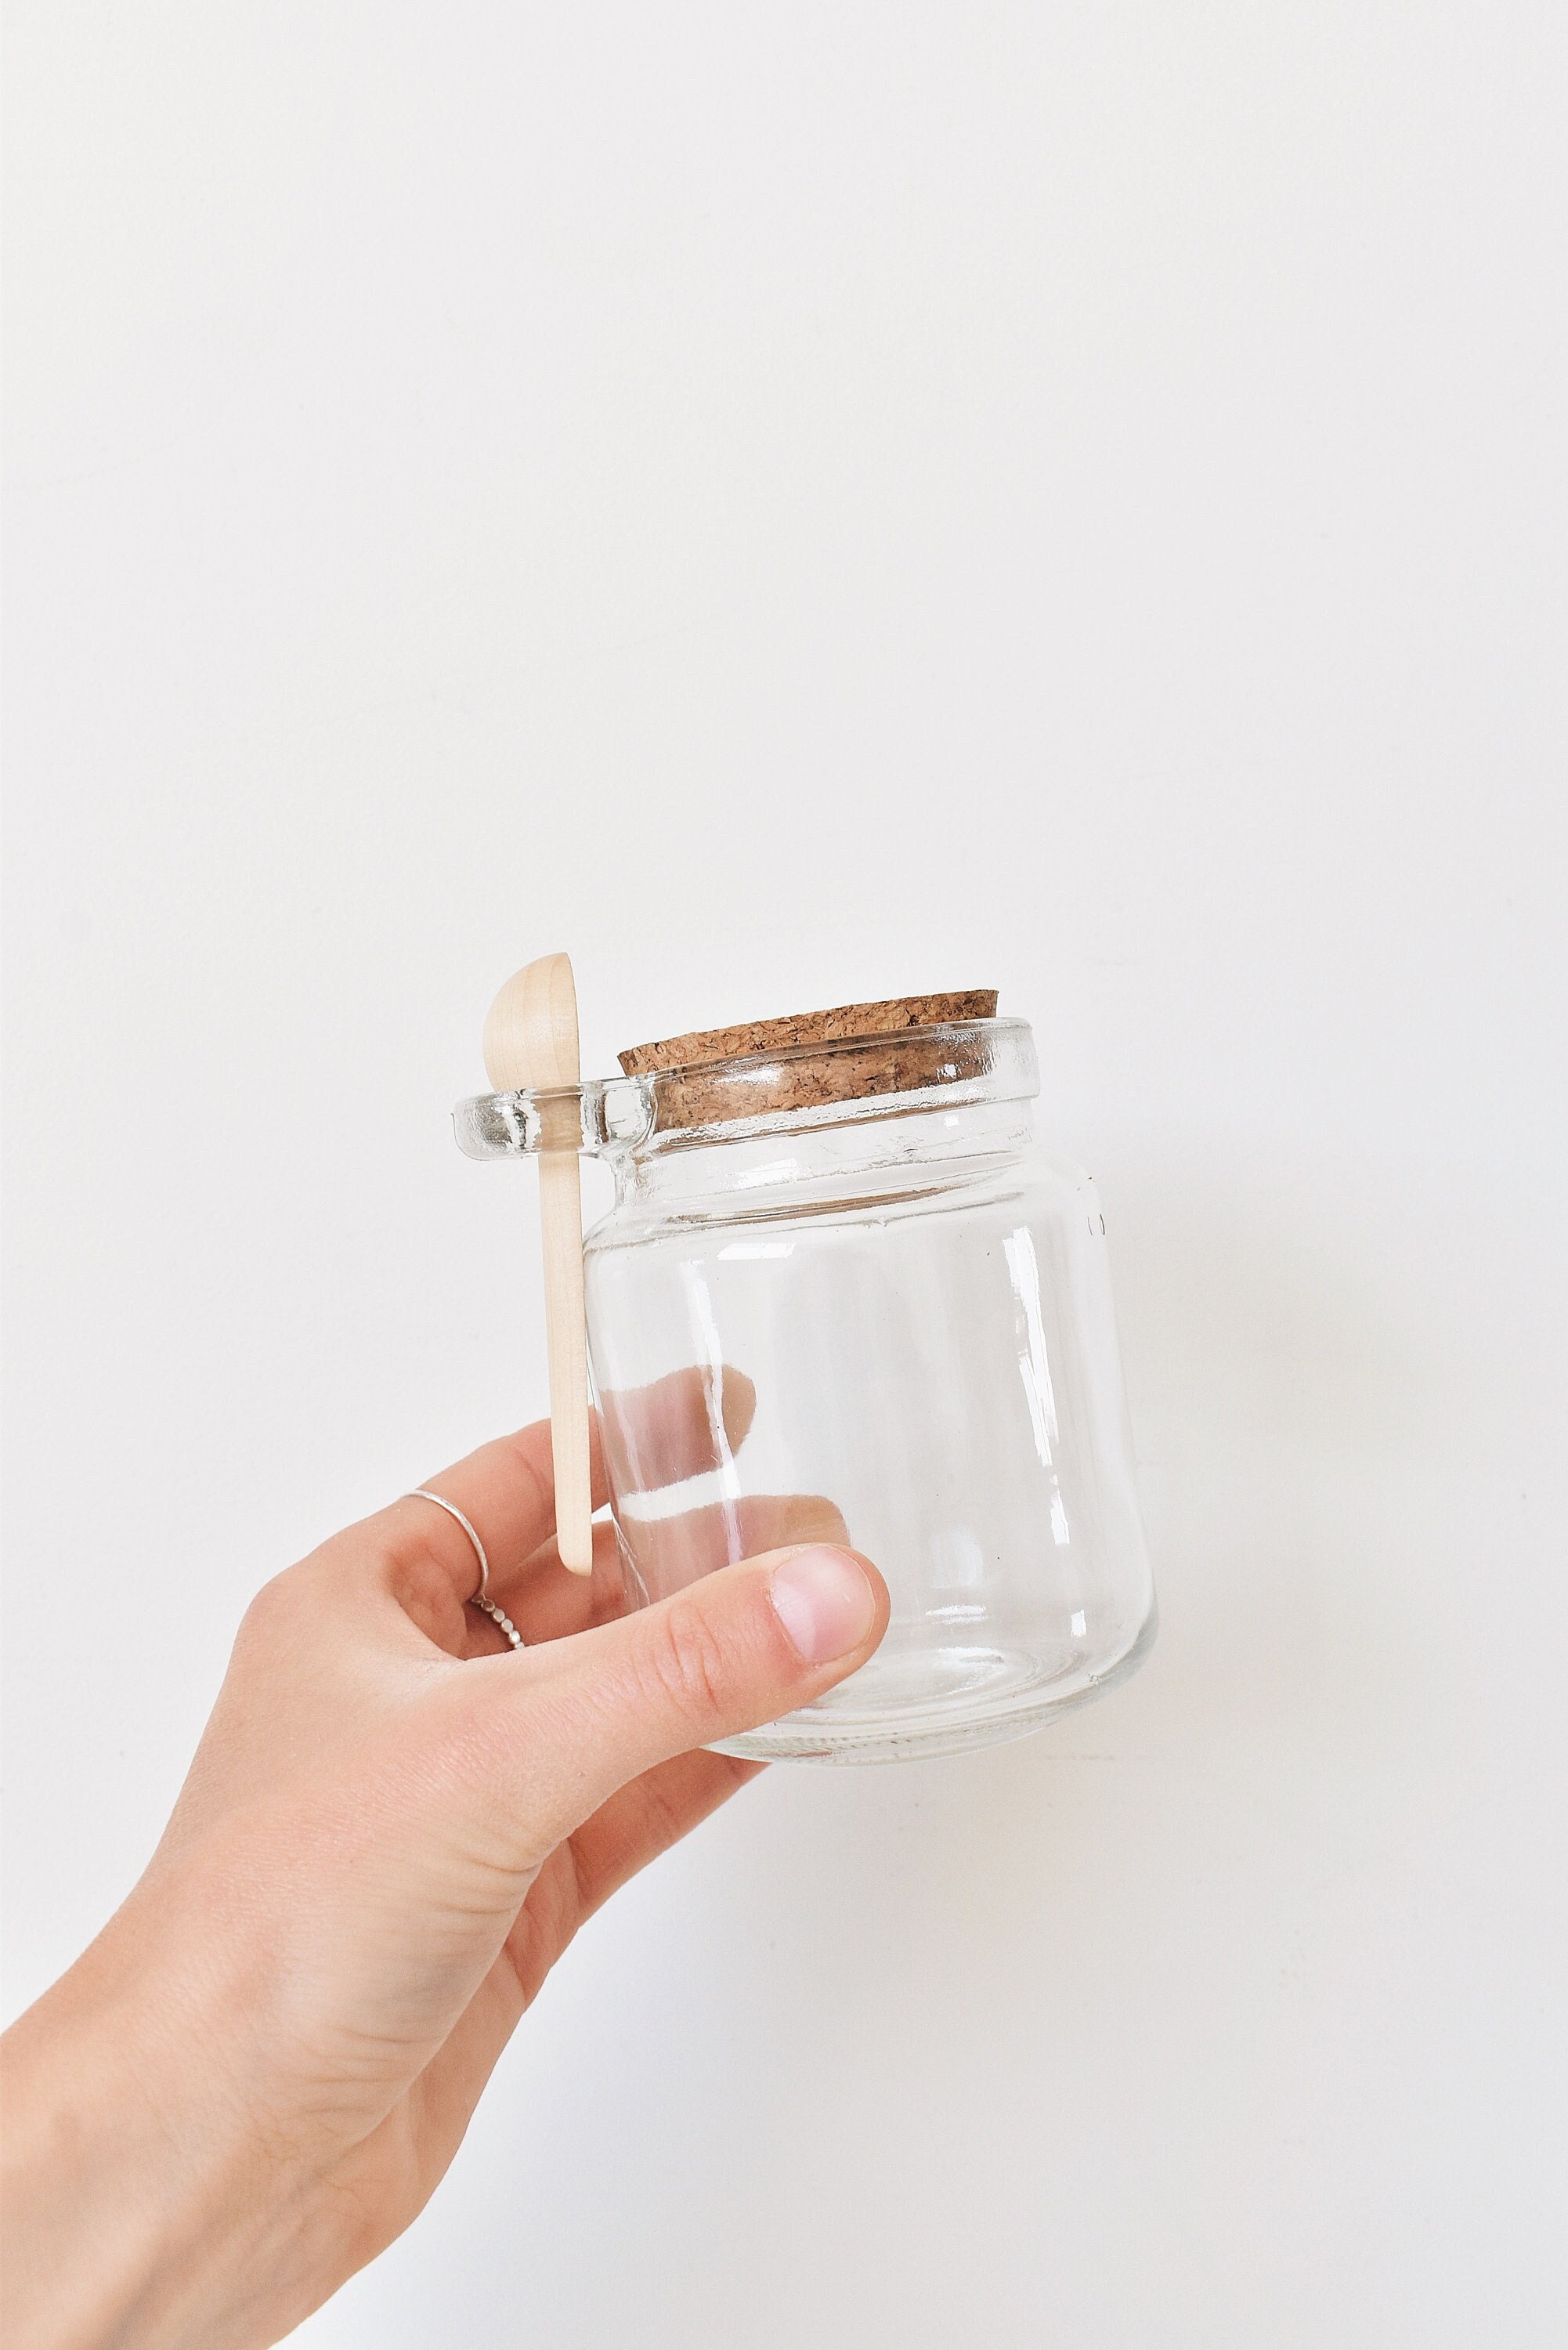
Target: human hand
column 254, row 2079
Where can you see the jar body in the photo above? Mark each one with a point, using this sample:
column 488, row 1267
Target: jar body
column 898, row 1332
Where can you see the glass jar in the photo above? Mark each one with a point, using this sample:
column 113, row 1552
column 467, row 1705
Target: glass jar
column 843, row 1293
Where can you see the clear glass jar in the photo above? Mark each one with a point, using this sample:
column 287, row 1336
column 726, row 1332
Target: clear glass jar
column 892, row 1308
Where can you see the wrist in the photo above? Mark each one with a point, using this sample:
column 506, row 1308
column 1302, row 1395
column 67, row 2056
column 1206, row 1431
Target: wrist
column 128, row 2210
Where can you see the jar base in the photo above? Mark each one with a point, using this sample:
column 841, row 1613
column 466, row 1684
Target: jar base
column 931, row 1701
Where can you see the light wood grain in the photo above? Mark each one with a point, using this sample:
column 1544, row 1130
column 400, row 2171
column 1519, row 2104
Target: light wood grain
column 531, row 1042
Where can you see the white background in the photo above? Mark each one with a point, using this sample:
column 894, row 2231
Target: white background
column 797, row 504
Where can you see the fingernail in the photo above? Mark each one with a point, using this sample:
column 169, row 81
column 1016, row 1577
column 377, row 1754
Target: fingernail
column 825, row 1603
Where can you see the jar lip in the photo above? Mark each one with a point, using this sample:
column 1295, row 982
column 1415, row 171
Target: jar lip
column 844, row 1077
column 934, row 1032
column 834, row 1081
column 767, row 1039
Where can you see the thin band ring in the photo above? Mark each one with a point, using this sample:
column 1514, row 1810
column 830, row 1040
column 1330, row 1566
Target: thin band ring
column 480, row 1598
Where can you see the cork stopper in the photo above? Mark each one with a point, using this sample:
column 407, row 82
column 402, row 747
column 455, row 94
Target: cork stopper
column 849, row 1053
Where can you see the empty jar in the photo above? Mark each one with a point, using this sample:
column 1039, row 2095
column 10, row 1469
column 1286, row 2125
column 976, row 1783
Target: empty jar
column 843, row 1293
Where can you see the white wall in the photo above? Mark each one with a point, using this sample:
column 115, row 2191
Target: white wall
column 798, row 503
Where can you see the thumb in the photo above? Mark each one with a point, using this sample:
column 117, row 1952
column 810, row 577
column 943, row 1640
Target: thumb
column 735, row 1648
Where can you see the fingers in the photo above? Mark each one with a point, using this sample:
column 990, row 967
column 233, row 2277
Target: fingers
column 545, row 1603
column 738, row 1647
column 677, row 1428
column 657, row 1435
column 507, row 1493
column 667, row 1553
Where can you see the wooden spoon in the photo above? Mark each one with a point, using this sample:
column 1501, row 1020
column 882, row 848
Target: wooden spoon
column 531, row 1043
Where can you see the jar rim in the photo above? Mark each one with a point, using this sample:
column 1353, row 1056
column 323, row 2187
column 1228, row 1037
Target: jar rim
column 766, row 1039
column 832, row 1081
column 844, row 1081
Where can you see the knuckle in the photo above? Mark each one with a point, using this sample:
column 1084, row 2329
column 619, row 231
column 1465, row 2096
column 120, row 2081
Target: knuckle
column 531, row 1469
column 687, row 1660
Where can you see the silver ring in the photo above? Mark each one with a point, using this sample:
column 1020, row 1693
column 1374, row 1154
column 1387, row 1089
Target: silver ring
column 480, row 1598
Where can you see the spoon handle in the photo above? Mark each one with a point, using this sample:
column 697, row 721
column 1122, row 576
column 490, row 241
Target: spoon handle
column 531, row 1042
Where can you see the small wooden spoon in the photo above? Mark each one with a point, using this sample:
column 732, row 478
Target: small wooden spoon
column 531, row 1042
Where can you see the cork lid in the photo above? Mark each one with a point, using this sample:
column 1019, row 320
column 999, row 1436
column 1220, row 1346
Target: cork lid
column 811, row 1059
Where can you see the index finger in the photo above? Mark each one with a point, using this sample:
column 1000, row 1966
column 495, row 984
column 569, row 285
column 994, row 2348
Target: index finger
column 506, row 1491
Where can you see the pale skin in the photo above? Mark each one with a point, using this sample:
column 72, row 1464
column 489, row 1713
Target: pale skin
column 255, row 2078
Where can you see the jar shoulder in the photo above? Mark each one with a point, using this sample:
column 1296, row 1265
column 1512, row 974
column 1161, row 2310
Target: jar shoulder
column 1038, row 1179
